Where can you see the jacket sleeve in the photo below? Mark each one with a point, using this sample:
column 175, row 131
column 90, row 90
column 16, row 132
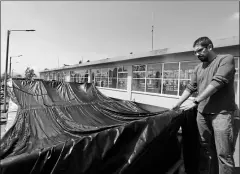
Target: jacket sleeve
column 225, row 72
column 192, row 86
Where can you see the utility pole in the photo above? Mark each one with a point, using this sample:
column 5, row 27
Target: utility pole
column 6, row 67
column 152, row 28
column 152, row 38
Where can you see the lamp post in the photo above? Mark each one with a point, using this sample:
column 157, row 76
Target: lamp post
column 10, row 64
column 6, row 66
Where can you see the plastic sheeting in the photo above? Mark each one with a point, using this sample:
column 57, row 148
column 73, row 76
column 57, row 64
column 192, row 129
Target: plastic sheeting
column 73, row 128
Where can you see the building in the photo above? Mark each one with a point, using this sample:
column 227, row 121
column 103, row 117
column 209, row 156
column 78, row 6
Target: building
column 154, row 78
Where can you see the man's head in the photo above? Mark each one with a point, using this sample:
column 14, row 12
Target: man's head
column 203, row 47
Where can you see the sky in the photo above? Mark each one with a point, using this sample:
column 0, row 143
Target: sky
column 70, row 31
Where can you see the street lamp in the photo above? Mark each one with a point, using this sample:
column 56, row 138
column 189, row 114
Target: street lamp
column 10, row 64
column 6, row 67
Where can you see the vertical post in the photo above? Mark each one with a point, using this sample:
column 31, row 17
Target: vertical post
column 152, row 38
column 6, row 70
column 10, row 65
column 152, row 28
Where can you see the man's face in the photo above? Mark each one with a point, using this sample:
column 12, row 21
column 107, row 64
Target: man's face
column 201, row 53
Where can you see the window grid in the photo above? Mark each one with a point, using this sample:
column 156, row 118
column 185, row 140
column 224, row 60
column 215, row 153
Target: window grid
column 99, row 77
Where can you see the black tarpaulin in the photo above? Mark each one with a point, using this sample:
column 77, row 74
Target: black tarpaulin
column 73, row 128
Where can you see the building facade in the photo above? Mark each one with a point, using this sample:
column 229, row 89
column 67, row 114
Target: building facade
column 155, row 78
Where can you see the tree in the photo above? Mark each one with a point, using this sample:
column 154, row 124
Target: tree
column 29, row 73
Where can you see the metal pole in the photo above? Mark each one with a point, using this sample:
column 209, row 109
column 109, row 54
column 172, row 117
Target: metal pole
column 6, row 70
column 152, row 37
column 10, row 66
column 152, row 28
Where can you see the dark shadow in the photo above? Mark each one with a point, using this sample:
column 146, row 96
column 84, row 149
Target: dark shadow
column 237, row 170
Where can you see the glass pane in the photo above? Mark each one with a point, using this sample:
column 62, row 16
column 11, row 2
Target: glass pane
column 122, row 75
column 186, row 69
column 112, row 82
column 122, row 83
column 154, row 85
column 170, row 70
column 112, row 72
column 154, row 71
column 139, row 67
column 138, row 74
column 170, row 87
column 104, row 82
column 120, row 69
column 97, row 82
column 134, row 68
column 138, row 84
column 182, row 87
column 93, row 73
column 104, row 72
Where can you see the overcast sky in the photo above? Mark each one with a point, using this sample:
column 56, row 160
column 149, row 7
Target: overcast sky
column 67, row 32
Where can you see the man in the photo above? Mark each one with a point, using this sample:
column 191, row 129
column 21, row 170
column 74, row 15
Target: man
column 213, row 78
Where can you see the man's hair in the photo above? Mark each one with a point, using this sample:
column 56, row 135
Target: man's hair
column 203, row 41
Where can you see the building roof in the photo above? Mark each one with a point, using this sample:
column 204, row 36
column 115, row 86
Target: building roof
column 224, row 42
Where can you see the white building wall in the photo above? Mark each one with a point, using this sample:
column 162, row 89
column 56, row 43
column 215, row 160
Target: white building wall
column 115, row 93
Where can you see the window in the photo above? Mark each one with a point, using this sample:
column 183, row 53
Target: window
column 63, row 76
column 139, row 78
column 45, row 76
column 122, row 78
column 96, row 76
column 54, row 76
column 79, row 76
column 50, row 76
column 112, row 77
column 82, row 76
column 170, row 78
column 73, row 76
column 186, row 71
column 104, row 77
column 154, row 78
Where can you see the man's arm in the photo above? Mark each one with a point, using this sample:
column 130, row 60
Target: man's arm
column 186, row 94
column 210, row 90
column 223, row 75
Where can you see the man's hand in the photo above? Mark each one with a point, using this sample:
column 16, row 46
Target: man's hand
column 188, row 106
column 175, row 107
